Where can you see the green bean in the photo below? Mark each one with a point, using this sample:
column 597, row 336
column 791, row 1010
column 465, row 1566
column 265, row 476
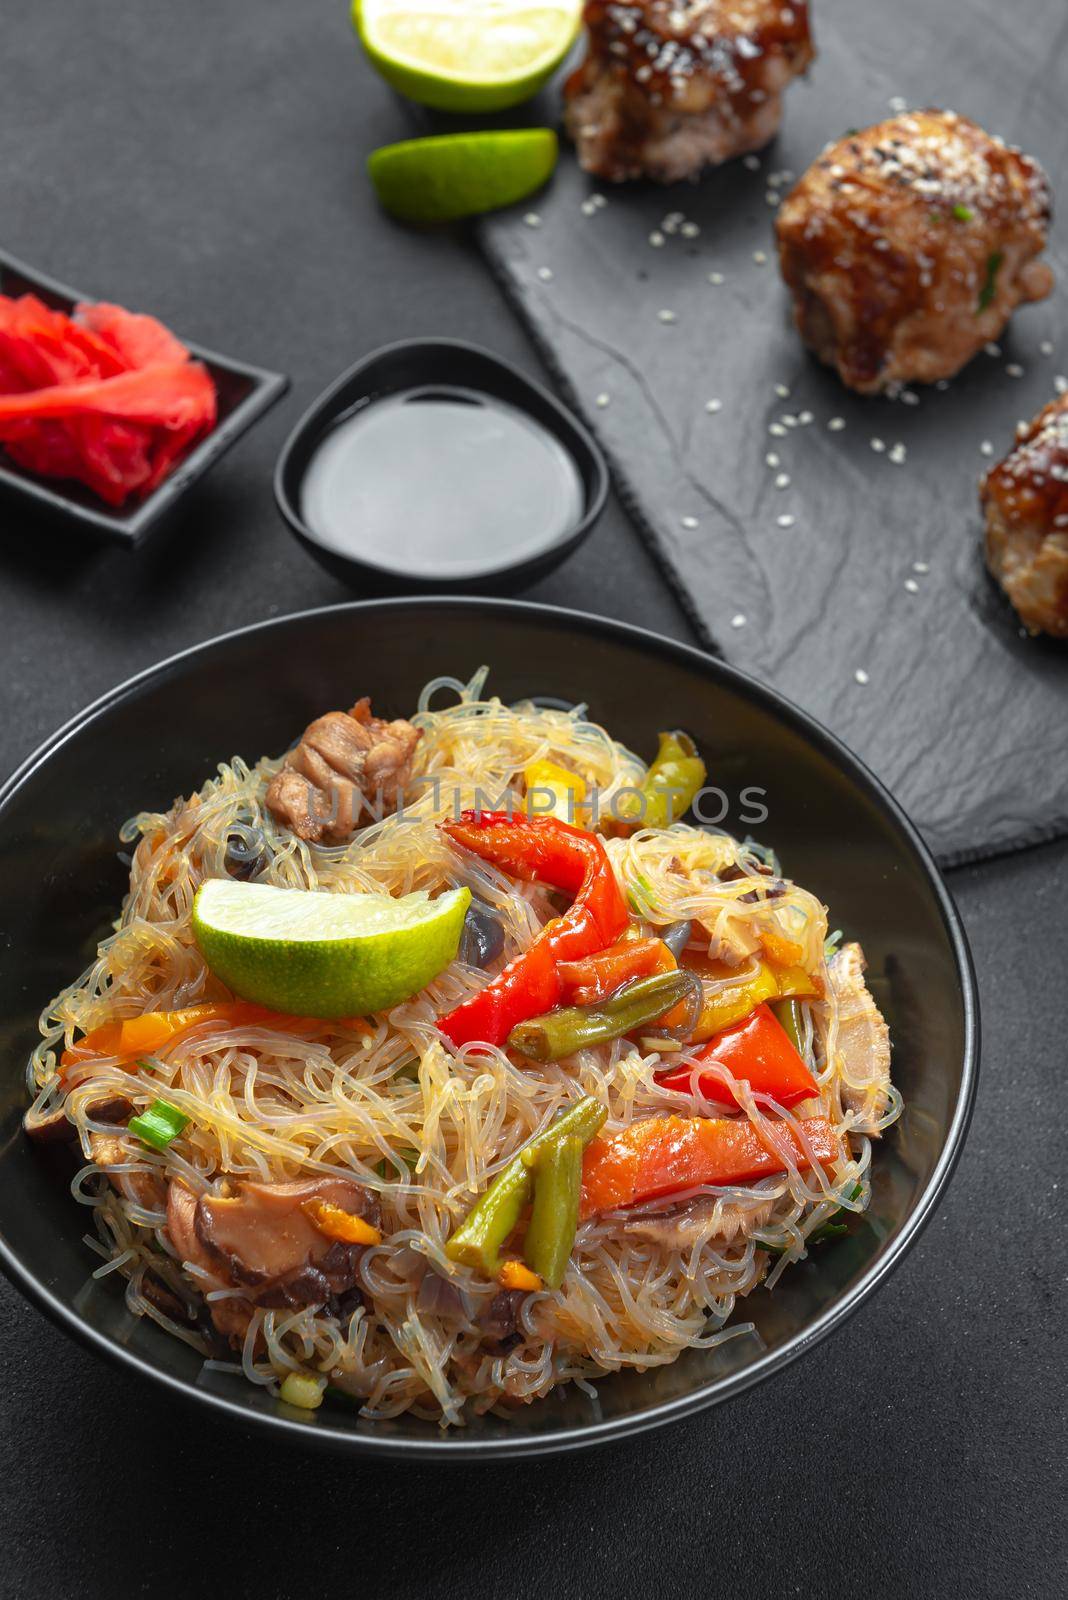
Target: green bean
column 788, row 1014
column 554, row 1215
column 477, row 1241
column 561, row 1033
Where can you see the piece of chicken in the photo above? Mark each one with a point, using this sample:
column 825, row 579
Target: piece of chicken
column 346, row 762
column 908, row 246
column 862, row 1047
column 671, row 86
column 1025, row 499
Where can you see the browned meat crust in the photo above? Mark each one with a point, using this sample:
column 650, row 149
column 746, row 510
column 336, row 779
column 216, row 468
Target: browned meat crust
column 1025, row 498
column 671, row 86
column 345, row 763
column 908, row 246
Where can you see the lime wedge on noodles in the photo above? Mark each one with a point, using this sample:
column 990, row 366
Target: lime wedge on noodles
column 467, row 55
column 461, row 174
column 325, row 955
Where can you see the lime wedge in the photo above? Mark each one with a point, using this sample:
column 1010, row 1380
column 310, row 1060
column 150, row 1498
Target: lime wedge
column 325, row 955
column 461, row 174
column 467, row 55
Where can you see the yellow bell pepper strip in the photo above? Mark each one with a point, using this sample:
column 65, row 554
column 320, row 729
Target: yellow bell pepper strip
column 560, row 793
column 144, row 1035
column 669, row 787
column 728, row 1006
column 663, row 1155
column 478, row 1240
column 337, row 1223
column 541, row 850
column 514, row 1275
column 561, row 1033
column 554, row 1215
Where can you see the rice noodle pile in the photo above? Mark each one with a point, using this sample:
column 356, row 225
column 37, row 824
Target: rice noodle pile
column 403, row 1114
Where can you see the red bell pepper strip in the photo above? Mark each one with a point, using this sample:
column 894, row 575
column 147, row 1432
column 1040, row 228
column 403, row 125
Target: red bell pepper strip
column 596, row 977
column 662, row 1155
column 758, row 1050
column 538, row 850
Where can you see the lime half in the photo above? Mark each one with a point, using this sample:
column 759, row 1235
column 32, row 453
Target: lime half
column 325, row 955
column 467, row 55
column 461, row 174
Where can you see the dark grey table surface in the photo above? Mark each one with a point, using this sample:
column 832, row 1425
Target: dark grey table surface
column 205, row 162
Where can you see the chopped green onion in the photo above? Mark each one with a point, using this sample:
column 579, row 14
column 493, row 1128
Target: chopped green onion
column 159, row 1125
column 963, row 213
column 301, row 1389
column 989, row 289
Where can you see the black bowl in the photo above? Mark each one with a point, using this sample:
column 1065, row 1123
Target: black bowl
column 244, row 394
column 430, row 364
column 836, row 829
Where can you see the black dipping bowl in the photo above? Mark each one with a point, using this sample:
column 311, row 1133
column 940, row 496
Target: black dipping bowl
column 432, row 363
column 837, row 831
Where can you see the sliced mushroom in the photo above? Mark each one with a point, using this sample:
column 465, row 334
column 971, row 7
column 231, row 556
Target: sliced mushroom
column 863, row 1045
column 145, row 1188
column 706, row 1219
column 260, row 1239
column 55, row 1127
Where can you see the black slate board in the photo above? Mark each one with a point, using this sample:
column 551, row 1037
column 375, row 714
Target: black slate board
column 961, row 715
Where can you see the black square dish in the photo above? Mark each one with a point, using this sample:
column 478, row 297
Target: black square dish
column 244, row 393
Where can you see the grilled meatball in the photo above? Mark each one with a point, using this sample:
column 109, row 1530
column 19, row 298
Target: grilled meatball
column 670, row 86
column 908, row 246
column 1025, row 498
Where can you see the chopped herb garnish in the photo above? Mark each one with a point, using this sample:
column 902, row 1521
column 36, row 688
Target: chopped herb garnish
column 963, row 213
column 159, row 1125
column 408, row 1157
column 989, row 289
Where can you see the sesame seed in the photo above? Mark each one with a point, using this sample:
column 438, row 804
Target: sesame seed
column 782, row 391
column 782, row 481
column 912, row 586
column 666, row 316
column 986, row 448
column 752, row 163
column 690, row 230
column 713, row 406
column 770, row 197
column 1061, row 385
column 588, row 208
column 602, row 400
column 897, row 455
column 545, row 274
column 861, row 676
column 777, row 430
column 921, row 566
column 943, row 383
column 1014, row 369
column 598, row 201
column 656, row 238
column 760, row 257
column 897, row 103
column 688, row 522
column 787, row 520
column 532, row 219
column 805, row 417
column 836, row 424
column 716, row 278
column 909, row 397
column 771, row 459
column 878, row 445
column 738, row 620
column 992, row 349
column 1046, row 347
